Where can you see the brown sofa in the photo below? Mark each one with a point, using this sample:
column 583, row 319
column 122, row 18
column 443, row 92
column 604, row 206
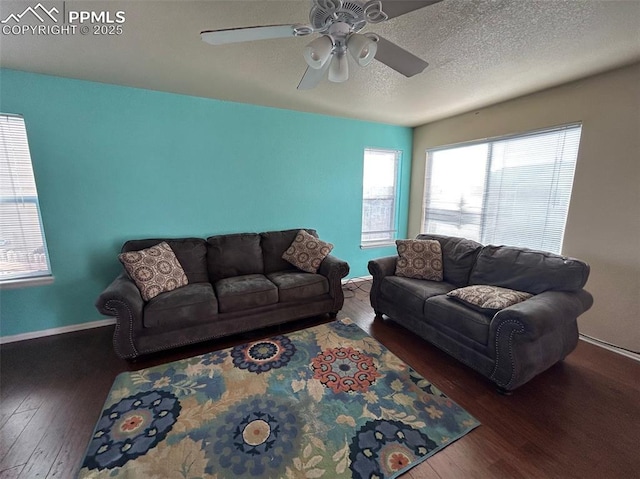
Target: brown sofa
column 237, row 282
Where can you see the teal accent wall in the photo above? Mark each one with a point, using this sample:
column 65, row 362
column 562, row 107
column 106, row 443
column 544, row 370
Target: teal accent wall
column 114, row 163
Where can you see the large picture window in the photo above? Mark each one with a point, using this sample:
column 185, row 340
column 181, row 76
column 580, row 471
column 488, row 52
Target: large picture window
column 23, row 250
column 379, row 197
column 513, row 190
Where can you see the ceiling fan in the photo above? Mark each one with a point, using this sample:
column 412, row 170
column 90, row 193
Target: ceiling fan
column 338, row 22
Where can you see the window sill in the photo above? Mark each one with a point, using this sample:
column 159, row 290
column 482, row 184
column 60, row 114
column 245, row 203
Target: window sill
column 382, row 244
column 25, row 282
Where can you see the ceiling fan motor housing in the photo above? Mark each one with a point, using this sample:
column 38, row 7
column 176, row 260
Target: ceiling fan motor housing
column 325, row 13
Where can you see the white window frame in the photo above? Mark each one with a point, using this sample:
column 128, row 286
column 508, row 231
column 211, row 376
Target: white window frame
column 389, row 234
column 482, row 217
column 19, row 192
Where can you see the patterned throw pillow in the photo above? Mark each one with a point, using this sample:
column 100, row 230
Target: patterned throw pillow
column 307, row 252
column 155, row 270
column 420, row 259
column 487, row 298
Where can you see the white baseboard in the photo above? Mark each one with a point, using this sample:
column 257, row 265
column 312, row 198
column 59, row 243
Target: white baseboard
column 621, row 351
column 53, row 331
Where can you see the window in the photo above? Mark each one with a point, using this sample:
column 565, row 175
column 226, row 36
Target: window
column 379, row 197
column 23, row 250
column 513, row 190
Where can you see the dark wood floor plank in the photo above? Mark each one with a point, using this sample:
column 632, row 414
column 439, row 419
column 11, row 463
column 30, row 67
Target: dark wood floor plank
column 503, row 469
column 26, row 443
column 71, row 453
column 11, row 396
column 11, row 430
column 422, row 471
column 48, row 455
column 56, row 382
column 12, row 473
column 53, row 438
column 580, row 418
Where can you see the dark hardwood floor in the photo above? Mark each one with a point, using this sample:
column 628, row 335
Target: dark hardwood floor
column 581, row 418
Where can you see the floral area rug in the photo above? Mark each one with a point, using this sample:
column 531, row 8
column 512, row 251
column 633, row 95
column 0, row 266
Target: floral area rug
column 325, row 402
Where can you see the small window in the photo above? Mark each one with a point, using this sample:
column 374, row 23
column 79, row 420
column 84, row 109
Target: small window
column 513, row 190
column 379, row 197
column 23, row 251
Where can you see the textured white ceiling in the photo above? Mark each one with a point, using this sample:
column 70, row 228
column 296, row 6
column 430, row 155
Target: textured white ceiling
column 480, row 52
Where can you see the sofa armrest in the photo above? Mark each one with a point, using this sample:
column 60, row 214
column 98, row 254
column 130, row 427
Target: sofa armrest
column 542, row 313
column 122, row 299
column 334, row 269
column 333, row 266
column 529, row 337
column 379, row 269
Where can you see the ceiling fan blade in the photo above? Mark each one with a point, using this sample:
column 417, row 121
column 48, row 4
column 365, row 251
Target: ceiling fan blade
column 398, row 58
column 247, row 34
column 312, row 77
column 395, row 8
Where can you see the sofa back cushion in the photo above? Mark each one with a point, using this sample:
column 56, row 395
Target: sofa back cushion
column 458, row 256
column 234, row 255
column 528, row 270
column 274, row 244
column 191, row 254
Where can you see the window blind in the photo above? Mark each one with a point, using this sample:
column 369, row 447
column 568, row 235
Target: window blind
column 23, row 251
column 514, row 190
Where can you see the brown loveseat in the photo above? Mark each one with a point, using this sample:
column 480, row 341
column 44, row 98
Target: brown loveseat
column 237, row 282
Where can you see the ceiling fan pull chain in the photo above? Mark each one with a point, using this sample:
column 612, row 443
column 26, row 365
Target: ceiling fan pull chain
column 373, row 12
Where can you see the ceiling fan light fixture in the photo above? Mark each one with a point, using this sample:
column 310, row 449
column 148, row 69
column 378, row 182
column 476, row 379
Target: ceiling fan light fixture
column 339, row 68
column 318, row 52
column 362, row 48
column 338, row 23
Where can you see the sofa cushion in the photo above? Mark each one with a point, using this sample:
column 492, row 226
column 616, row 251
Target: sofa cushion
column 486, row 298
column 467, row 322
column 191, row 253
column 307, row 252
column 234, row 255
column 245, row 292
column 411, row 293
column 420, row 259
column 298, row 285
column 528, row 270
column 155, row 270
column 182, row 307
column 274, row 244
column 458, row 256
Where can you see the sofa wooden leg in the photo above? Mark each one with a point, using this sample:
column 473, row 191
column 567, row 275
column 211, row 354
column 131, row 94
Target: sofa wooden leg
column 333, row 315
column 379, row 315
